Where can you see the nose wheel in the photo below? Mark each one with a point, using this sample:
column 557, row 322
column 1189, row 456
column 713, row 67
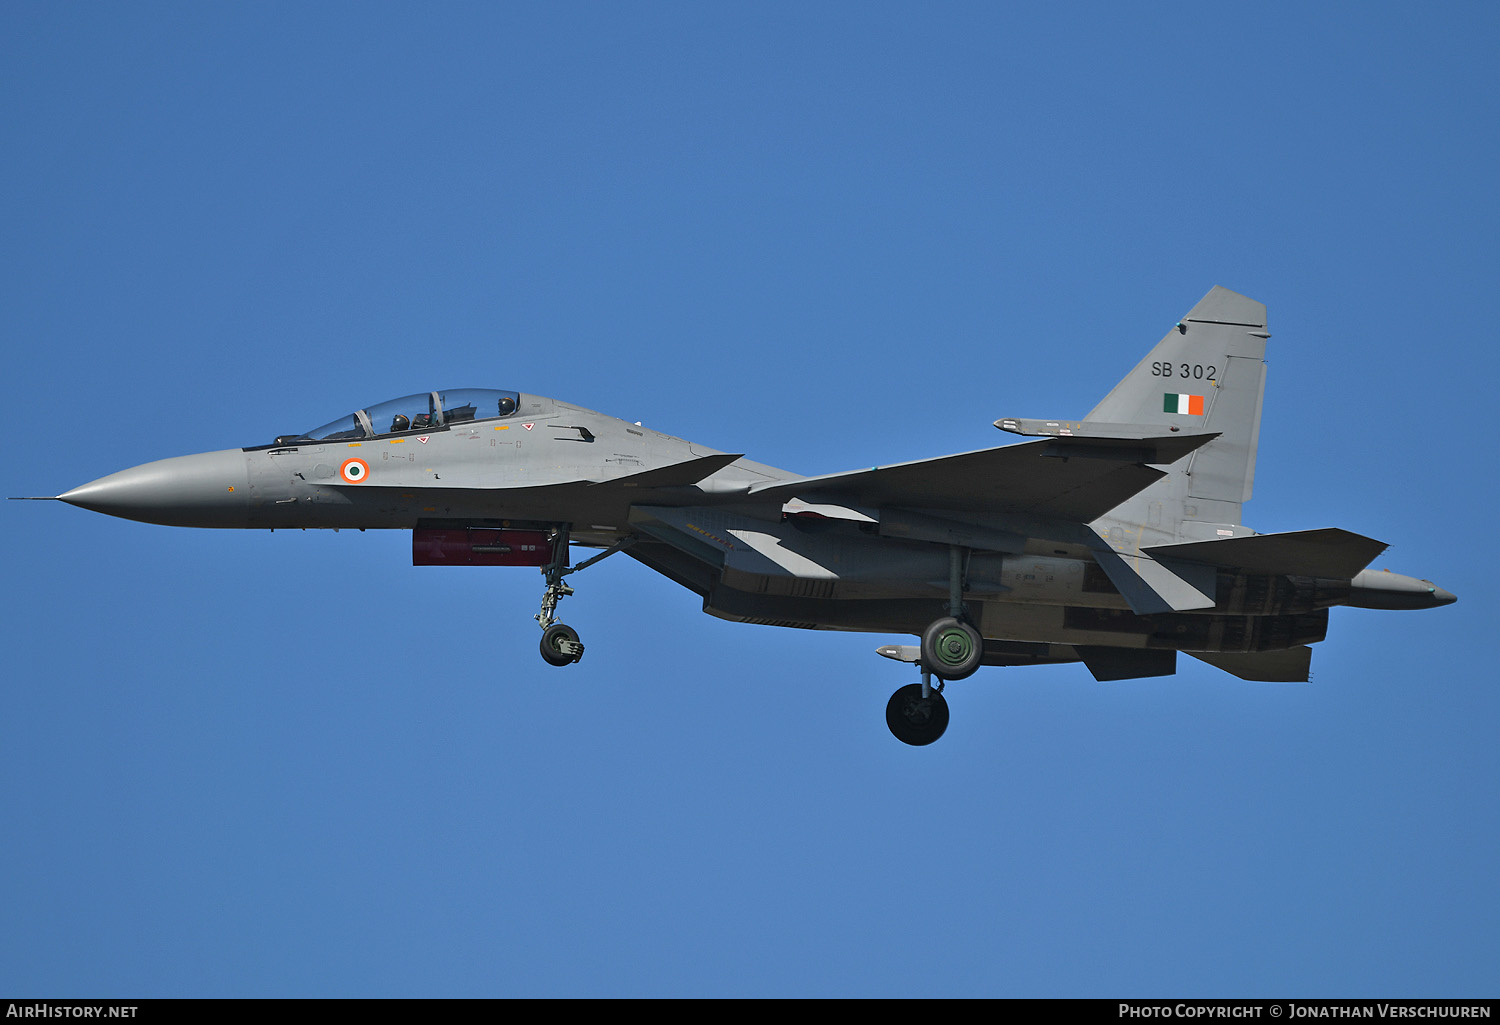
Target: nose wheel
column 560, row 645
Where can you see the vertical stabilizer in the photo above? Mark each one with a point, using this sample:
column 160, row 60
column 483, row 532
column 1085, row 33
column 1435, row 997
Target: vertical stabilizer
column 1207, row 374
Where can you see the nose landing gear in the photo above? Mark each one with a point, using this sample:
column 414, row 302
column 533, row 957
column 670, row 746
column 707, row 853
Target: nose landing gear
column 560, row 644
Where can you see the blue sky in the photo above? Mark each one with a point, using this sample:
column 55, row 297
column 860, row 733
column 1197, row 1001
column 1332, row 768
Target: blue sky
column 829, row 235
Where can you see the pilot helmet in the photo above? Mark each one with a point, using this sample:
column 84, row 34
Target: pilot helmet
column 400, row 423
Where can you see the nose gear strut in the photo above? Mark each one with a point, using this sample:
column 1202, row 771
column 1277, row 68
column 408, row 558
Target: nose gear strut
column 560, row 644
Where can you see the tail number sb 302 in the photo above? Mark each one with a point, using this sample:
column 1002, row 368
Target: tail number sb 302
column 1196, row 371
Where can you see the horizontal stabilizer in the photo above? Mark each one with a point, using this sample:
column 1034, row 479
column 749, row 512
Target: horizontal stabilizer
column 1290, row 665
column 1151, row 434
column 1039, row 477
column 1329, row 552
column 1127, row 663
column 677, row 475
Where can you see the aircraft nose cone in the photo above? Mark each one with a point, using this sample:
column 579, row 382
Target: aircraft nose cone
column 204, row 490
column 1442, row 597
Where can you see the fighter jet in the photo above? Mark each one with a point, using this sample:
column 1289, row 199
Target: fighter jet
column 1114, row 540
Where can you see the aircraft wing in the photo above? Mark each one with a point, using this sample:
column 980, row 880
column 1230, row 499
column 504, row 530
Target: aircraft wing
column 1078, row 479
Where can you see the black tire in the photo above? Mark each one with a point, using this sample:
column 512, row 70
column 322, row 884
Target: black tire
column 951, row 649
column 551, row 644
column 916, row 720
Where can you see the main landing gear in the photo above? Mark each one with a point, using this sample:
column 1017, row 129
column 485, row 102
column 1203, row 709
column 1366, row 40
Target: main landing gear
column 560, row 644
column 951, row 649
column 918, row 713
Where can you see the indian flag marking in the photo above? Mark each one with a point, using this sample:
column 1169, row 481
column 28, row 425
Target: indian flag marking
column 1191, row 405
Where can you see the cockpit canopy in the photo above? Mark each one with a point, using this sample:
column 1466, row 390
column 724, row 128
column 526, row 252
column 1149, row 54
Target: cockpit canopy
column 426, row 411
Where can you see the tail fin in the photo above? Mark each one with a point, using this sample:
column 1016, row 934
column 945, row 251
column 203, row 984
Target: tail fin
column 1207, row 375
